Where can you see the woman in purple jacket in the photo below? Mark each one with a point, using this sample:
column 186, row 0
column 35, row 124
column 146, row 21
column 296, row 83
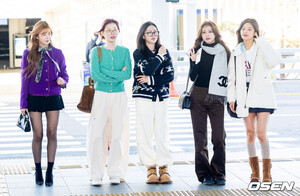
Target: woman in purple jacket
column 43, row 74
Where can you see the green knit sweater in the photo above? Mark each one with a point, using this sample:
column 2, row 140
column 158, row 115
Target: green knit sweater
column 108, row 75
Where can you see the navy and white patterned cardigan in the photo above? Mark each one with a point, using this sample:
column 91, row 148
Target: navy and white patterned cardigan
column 160, row 71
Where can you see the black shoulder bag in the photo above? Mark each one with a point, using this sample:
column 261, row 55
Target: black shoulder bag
column 185, row 98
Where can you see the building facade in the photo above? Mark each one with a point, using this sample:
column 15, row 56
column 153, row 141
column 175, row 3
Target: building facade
column 75, row 21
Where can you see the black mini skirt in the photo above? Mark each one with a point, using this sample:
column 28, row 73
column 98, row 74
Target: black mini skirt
column 258, row 110
column 45, row 103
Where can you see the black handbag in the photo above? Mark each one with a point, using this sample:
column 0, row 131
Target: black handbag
column 231, row 113
column 185, row 98
column 23, row 122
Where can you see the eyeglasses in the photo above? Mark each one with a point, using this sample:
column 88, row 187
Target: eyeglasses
column 154, row 33
column 109, row 31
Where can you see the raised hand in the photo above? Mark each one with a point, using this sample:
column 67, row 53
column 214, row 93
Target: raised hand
column 192, row 55
column 162, row 50
column 261, row 34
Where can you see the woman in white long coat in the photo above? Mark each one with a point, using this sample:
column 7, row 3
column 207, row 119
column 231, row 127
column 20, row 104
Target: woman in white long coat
column 250, row 85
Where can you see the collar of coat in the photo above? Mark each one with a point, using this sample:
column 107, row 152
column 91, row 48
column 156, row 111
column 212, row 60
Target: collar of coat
column 238, row 51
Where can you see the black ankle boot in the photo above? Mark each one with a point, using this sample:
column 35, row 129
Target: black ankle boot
column 49, row 179
column 39, row 177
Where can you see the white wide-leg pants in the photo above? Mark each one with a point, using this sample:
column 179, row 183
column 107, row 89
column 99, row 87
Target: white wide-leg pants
column 126, row 134
column 107, row 108
column 152, row 123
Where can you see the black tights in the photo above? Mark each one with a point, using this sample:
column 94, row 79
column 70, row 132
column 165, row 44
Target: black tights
column 37, row 126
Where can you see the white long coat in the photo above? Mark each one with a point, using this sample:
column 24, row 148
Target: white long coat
column 260, row 93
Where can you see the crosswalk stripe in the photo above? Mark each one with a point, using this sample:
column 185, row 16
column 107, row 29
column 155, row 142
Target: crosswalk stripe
column 9, row 119
column 71, row 111
column 3, row 134
column 28, row 144
column 29, row 151
column 9, row 111
column 9, row 108
column 80, row 115
column 183, row 142
column 15, row 116
column 285, row 115
column 14, row 128
column 190, row 136
column 14, row 140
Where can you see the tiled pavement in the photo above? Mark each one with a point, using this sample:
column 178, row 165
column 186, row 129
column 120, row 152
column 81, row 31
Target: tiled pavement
column 71, row 178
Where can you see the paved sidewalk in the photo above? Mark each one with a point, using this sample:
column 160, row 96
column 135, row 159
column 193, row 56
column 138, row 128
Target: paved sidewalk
column 71, row 178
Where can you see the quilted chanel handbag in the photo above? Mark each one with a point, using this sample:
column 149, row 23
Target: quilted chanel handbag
column 185, row 98
column 87, row 96
column 23, row 122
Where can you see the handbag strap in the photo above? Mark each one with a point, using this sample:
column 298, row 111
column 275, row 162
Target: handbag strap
column 99, row 53
column 91, row 81
column 188, row 78
column 193, row 84
column 187, row 82
column 235, row 70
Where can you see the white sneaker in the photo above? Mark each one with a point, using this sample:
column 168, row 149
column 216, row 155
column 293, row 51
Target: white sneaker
column 97, row 182
column 114, row 180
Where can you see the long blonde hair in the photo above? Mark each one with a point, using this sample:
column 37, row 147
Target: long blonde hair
column 33, row 54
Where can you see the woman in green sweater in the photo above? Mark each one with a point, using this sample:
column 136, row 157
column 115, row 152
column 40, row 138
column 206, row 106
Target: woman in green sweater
column 109, row 105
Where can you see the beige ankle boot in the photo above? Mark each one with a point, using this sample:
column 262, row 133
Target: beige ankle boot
column 267, row 170
column 254, row 164
column 164, row 176
column 152, row 177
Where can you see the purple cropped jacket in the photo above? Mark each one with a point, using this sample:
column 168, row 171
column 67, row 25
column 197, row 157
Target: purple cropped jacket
column 47, row 86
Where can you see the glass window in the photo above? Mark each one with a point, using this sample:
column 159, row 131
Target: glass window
column 180, row 40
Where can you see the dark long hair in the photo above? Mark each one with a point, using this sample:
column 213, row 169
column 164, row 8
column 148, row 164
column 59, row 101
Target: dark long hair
column 141, row 43
column 106, row 22
column 34, row 56
column 218, row 37
column 253, row 22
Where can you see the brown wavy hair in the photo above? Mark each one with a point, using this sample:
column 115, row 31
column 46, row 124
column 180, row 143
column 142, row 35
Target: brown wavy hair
column 218, row 37
column 34, row 56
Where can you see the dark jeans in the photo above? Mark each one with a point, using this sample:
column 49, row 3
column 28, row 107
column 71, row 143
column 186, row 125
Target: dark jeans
column 200, row 109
